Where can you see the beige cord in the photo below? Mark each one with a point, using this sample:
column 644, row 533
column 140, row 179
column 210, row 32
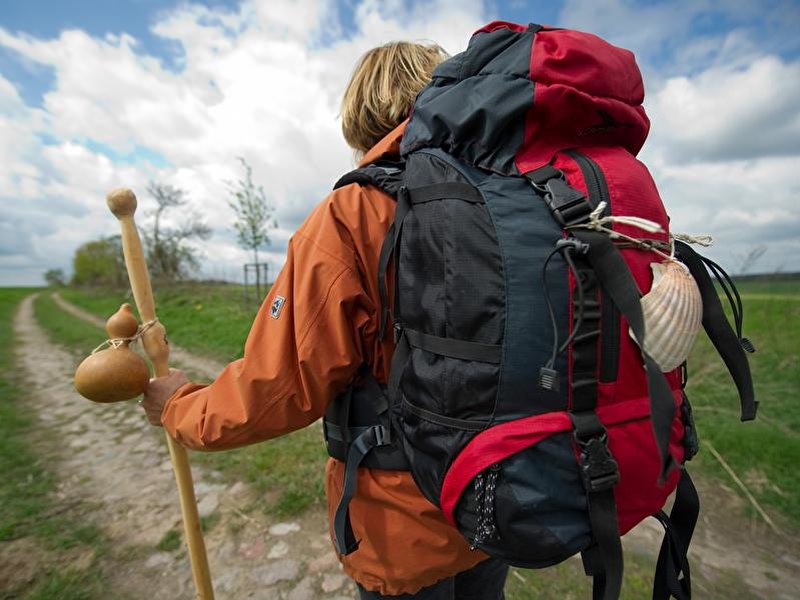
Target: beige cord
column 117, row 342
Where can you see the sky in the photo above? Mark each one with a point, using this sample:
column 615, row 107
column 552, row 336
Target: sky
column 94, row 97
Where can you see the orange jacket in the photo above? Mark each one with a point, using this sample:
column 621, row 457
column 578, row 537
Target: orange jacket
column 296, row 364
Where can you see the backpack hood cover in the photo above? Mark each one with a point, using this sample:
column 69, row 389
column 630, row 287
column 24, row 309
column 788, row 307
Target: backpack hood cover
column 530, row 91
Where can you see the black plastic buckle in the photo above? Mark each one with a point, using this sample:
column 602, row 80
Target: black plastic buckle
column 397, row 331
column 382, row 435
column 568, row 205
column 599, row 470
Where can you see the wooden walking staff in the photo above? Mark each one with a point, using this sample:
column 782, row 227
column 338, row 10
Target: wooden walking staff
column 122, row 203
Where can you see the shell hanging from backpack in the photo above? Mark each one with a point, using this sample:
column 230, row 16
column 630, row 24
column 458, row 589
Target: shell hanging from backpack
column 673, row 314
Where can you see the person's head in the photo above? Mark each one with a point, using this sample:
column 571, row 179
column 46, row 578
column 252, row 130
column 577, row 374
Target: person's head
column 382, row 90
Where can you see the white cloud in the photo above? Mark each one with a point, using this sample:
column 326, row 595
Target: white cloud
column 258, row 82
column 725, row 151
column 264, row 82
column 730, row 112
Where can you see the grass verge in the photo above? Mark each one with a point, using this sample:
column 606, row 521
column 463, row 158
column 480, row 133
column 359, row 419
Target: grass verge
column 47, row 551
column 207, row 319
column 764, row 452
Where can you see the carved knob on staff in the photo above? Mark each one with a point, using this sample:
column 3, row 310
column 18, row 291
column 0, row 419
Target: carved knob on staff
column 116, row 373
column 121, row 202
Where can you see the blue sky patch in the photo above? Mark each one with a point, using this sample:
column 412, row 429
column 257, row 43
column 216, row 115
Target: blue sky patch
column 139, row 154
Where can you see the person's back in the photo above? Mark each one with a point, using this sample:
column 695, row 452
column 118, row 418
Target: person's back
column 309, row 341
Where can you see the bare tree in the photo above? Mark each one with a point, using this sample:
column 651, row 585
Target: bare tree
column 748, row 261
column 254, row 216
column 169, row 251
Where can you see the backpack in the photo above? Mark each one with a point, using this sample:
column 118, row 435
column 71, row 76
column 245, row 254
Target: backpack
column 520, row 396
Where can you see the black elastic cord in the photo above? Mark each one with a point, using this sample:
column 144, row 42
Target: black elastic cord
column 579, row 285
column 566, row 254
column 550, row 310
column 725, row 282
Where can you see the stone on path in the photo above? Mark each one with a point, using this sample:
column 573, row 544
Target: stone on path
column 284, row 528
column 279, row 550
column 131, row 438
column 227, row 581
column 323, row 563
column 158, row 559
column 237, row 488
column 201, row 488
column 252, row 550
column 303, row 591
column 332, row 582
column 282, row 570
column 208, row 504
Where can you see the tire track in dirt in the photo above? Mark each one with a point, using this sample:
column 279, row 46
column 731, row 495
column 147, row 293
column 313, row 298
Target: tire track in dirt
column 118, row 467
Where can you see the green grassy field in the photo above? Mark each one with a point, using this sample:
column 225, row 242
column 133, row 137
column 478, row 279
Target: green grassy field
column 30, row 515
column 207, row 319
column 763, row 452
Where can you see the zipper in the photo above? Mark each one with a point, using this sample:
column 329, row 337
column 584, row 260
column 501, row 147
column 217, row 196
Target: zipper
column 610, row 320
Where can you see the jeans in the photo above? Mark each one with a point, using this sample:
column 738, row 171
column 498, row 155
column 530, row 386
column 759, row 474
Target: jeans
column 484, row 581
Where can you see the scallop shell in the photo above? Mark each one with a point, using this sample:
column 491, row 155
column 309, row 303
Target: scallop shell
column 673, row 314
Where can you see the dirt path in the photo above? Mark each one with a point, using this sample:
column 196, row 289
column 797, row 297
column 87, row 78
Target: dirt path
column 115, row 459
column 114, row 462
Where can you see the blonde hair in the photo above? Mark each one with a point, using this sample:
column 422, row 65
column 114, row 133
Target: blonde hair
column 382, row 90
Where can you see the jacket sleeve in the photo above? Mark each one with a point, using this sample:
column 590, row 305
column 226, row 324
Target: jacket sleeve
column 304, row 348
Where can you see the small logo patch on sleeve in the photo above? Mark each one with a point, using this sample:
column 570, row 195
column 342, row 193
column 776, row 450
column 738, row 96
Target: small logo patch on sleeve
column 277, row 306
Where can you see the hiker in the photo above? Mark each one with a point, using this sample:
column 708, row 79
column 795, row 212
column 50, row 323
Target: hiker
column 542, row 315
column 315, row 336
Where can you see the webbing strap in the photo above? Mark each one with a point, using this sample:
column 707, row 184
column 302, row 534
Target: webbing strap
column 608, row 568
column 343, row 434
column 359, row 440
column 462, row 349
column 402, row 353
column 387, row 251
column 344, row 538
column 619, row 285
column 720, row 332
column 455, row 190
column 673, row 577
column 599, row 470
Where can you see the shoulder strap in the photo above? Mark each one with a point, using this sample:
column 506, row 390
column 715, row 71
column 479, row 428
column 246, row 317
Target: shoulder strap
column 384, row 174
column 720, row 332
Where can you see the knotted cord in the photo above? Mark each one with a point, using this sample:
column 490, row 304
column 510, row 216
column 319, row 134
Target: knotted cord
column 597, row 222
column 117, row 342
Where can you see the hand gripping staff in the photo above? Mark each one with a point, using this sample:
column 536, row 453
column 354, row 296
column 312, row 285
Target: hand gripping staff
column 122, row 203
